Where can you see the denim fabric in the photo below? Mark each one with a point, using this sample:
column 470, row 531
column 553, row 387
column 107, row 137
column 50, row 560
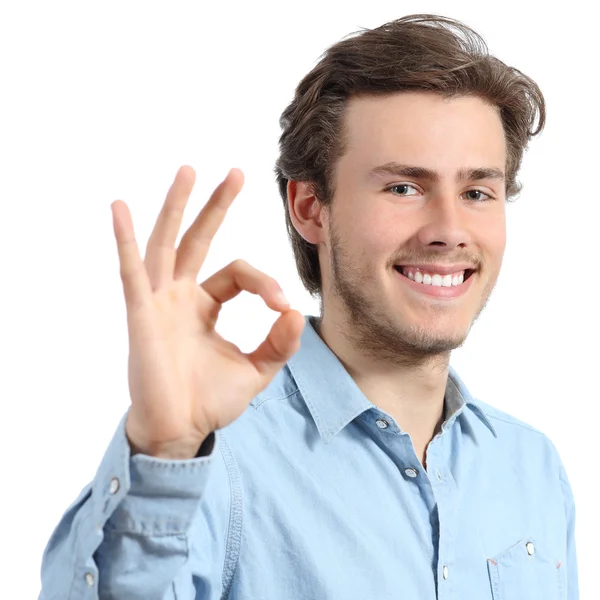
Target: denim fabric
column 314, row 492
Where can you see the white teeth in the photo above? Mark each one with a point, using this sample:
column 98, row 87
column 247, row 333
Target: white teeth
column 436, row 280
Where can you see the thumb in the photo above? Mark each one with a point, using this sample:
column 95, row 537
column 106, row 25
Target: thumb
column 281, row 343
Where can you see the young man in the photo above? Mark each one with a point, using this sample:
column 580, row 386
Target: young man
column 344, row 458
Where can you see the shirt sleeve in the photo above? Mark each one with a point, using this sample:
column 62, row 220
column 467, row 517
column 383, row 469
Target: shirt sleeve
column 127, row 535
column 572, row 579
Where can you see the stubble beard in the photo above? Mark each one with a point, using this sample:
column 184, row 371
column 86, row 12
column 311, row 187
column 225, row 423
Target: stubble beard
column 377, row 335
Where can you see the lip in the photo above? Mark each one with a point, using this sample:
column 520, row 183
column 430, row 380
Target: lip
column 437, row 291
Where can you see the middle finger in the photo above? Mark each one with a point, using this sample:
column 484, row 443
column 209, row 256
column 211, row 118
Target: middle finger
column 160, row 250
column 196, row 241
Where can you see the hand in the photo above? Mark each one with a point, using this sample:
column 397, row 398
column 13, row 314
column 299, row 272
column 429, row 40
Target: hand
column 185, row 380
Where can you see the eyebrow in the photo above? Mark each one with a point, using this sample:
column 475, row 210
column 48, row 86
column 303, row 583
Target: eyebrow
column 473, row 174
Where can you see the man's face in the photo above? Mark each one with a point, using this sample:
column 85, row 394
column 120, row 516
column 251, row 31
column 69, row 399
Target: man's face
column 381, row 219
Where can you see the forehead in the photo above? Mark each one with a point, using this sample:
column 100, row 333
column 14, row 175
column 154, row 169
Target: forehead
column 423, row 128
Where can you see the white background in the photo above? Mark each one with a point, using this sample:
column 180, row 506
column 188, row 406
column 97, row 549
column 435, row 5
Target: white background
column 103, row 101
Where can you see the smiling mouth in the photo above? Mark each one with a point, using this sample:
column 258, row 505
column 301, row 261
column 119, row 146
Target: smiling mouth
column 435, row 280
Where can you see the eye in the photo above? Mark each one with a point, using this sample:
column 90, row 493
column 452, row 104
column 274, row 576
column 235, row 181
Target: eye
column 478, row 192
column 404, row 186
column 400, row 185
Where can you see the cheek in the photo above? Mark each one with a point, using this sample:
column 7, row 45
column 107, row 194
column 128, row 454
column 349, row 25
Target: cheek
column 487, row 231
column 373, row 246
column 496, row 241
column 376, row 234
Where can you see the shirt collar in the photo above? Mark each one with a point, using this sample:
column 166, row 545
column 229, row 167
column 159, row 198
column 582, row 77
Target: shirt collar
column 334, row 399
column 457, row 396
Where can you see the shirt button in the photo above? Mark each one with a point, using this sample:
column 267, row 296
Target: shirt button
column 114, row 485
column 89, row 579
column 381, row 423
column 411, row 472
column 445, row 572
column 530, row 548
column 439, row 475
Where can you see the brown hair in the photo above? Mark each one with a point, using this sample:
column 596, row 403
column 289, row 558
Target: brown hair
column 420, row 52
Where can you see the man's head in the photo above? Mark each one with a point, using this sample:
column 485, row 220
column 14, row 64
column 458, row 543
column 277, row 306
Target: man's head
column 410, row 93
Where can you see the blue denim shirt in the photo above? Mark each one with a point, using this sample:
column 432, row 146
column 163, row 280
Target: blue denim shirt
column 314, row 492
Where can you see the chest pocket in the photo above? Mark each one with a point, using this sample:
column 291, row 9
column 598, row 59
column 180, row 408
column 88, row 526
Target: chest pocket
column 526, row 571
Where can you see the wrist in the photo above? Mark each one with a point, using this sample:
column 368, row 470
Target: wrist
column 174, row 450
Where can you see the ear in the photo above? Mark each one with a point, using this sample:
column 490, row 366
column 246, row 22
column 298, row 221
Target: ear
column 306, row 212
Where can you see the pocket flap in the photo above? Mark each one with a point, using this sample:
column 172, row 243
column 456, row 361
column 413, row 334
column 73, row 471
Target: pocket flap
column 525, row 570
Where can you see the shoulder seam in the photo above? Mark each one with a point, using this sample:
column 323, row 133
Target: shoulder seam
column 513, row 422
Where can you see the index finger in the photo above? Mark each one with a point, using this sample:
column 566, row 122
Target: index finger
column 196, row 241
column 136, row 285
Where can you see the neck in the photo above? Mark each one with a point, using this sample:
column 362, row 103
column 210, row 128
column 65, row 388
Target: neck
column 410, row 389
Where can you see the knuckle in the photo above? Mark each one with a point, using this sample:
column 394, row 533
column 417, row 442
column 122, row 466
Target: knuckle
column 239, row 264
column 125, row 272
column 273, row 286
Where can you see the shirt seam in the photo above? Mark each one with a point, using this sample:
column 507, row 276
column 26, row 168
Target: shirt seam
column 79, row 552
column 260, row 400
column 511, row 422
column 234, row 528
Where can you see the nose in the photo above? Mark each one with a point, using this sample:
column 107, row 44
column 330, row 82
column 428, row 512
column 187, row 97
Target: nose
column 444, row 222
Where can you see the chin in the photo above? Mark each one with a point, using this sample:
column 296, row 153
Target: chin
column 429, row 332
